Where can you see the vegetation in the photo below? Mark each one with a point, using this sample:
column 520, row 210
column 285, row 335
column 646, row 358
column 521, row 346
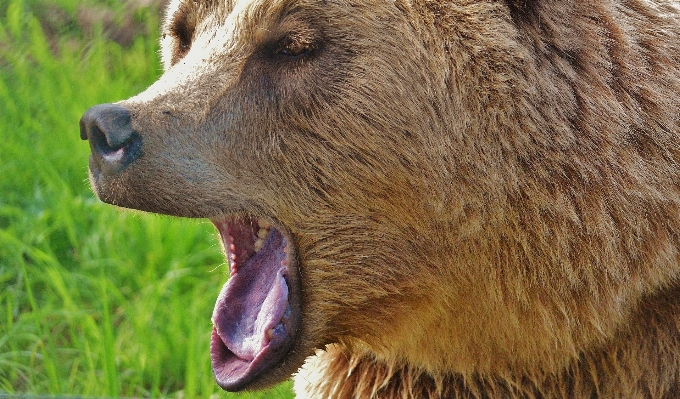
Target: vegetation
column 94, row 301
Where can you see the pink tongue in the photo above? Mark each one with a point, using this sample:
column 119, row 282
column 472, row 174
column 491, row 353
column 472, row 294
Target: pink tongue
column 250, row 314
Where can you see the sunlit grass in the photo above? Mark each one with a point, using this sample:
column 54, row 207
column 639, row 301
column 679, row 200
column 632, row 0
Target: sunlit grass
column 95, row 301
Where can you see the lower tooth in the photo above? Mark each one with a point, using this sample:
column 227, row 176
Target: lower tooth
column 264, row 224
column 258, row 244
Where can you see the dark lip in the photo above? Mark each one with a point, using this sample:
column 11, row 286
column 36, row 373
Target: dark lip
column 270, row 366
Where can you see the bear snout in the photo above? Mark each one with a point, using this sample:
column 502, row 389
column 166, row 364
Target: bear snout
column 113, row 141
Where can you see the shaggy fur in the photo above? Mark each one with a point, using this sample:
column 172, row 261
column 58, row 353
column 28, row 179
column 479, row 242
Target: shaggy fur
column 484, row 195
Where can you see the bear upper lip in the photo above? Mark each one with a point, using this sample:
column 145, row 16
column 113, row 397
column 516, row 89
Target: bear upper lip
column 256, row 316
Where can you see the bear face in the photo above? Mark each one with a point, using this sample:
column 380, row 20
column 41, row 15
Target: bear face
column 273, row 78
column 471, row 188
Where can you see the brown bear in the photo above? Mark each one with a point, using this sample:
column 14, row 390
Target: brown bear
column 422, row 198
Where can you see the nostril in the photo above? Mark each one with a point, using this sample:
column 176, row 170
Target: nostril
column 110, row 150
column 110, row 122
column 108, row 127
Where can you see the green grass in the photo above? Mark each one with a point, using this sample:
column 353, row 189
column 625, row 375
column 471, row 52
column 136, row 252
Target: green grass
column 94, row 301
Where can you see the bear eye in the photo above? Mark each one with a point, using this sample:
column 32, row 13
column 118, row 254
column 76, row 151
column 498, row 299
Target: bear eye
column 182, row 29
column 183, row 36
column 294, row 46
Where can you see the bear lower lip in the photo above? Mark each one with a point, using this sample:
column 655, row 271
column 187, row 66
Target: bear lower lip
column 255, row 317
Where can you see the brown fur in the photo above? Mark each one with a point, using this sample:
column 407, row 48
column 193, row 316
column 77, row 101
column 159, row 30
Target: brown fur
column 632, row 365
column 484, row 194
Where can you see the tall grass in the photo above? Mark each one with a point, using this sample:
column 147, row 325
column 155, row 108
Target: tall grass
column 94, row 301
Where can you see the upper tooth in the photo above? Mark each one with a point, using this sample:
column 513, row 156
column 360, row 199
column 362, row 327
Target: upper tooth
column 262, row 234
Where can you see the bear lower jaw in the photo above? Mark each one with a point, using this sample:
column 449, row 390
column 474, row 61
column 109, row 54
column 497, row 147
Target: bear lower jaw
column 256, row 317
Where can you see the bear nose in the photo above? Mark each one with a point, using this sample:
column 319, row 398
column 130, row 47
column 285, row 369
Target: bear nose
column 113, row 141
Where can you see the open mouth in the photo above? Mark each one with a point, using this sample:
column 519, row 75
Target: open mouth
column 257, row 314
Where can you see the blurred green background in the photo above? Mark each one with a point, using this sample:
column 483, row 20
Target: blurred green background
column 94, row 301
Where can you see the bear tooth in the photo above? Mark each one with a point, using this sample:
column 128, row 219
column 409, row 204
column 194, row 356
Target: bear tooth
column 270, row 334
column 262, row 233
column 258, row 244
